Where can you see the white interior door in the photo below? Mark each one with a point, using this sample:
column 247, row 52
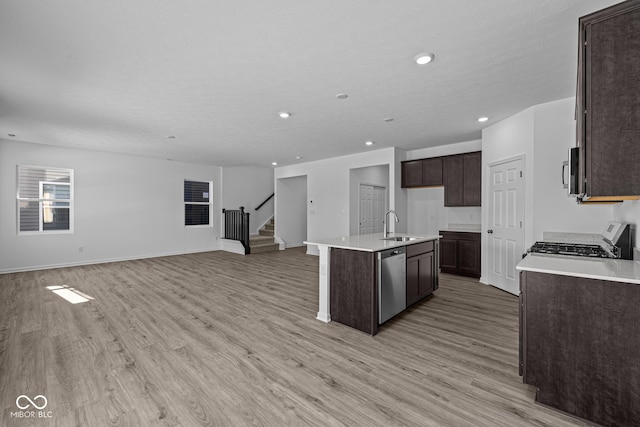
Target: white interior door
column 506, row 224
column 372, row 203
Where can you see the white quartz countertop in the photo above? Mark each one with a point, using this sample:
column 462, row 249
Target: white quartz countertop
column 462, row 228
column 615, row 270
column 370, row 242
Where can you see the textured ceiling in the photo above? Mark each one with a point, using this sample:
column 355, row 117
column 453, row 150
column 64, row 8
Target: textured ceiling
column 122, row 75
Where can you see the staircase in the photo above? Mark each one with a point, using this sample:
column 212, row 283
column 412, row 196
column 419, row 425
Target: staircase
column 264, row 241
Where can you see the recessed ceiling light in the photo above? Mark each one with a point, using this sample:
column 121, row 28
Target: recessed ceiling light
column 274, row 163
column 424, row 58
column 171, row 137
column 388, row 119
column 369, row 143
column 299, row 157
column 342, row 96
column 284, row 114
column 483, row 119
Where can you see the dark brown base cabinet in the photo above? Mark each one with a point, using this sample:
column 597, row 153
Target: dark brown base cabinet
column 460, row 253
column 421, row 265
column 580, row 346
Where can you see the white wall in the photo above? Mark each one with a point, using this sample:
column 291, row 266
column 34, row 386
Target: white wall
column 445, row 150
column 292, row 193
column 248, row 186
column 329, row 196
column 425, row 206
column 543, row 134
column 125, row 207
column 372, row 175
column 554, row 133
column 629, row 211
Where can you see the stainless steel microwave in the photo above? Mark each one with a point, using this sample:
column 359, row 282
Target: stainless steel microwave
column 570, row 173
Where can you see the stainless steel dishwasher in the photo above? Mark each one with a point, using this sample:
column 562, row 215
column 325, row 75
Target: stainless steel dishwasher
column 392, row 279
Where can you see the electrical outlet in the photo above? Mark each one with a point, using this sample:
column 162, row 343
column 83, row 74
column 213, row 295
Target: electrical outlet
column 80, row 248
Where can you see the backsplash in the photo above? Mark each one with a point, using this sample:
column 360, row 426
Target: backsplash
column 463, row 215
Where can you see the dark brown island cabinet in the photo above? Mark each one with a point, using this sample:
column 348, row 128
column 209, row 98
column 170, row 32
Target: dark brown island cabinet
column 608, row 105
column 460, row 253
column 421, row 274
column 460, row 174
column 353, row 296
column 580, row 346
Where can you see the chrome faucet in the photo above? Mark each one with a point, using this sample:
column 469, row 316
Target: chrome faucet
column 385, row 229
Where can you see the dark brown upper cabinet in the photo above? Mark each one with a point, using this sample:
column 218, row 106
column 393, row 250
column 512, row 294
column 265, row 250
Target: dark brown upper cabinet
column 463, row 179
column 454, row 180
column 473, row 179
column 461, row 175
column 608, row 103
column 412, row 174
column 432, row 172
column 422, row 173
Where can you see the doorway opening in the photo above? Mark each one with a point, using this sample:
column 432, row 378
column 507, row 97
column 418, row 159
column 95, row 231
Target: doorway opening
column 291, row 211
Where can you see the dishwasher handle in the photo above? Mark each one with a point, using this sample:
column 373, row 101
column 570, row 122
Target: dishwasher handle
column 393, row 252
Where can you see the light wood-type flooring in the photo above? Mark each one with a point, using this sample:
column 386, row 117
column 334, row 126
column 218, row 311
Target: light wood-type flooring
column 228, row 340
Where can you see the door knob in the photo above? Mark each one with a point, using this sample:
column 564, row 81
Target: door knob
column 490, row 231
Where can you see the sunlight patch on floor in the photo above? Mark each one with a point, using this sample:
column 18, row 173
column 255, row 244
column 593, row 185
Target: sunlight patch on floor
column 70, row 294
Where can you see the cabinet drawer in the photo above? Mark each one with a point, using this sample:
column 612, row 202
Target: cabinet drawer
column 461, row 235
column 419, row 248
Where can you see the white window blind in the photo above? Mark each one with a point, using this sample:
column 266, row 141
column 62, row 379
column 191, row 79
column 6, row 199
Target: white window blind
column 45, row 199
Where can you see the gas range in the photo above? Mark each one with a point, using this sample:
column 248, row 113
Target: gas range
column 572, row 249
column 616, row 243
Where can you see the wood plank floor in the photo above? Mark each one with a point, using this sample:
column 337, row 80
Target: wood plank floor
column 226, row 340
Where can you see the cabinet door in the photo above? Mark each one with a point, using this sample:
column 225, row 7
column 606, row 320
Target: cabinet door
column 454, row 180
column 610, row 69
column 448, row 255
column 469, row 257
column 432, row 172
column 473, row 179
column 420, row 279
column 413, row 280
column 426, row 274
column 412, row 174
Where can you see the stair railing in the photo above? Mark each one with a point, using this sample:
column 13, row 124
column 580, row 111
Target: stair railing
column 265, row 201
column 236, row 226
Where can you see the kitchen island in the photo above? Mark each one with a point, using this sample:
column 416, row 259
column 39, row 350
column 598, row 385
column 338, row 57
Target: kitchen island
column 349, row 270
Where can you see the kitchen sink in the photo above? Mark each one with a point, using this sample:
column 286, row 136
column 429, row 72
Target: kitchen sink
column 400, row 238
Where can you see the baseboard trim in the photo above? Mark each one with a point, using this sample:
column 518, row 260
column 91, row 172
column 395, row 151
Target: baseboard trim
column 100, row 261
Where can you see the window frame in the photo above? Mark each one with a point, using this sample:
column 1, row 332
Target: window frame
column 41, row 199
column 209, row 203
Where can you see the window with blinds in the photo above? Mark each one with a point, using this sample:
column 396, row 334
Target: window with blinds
column 45, row 199
column 197, row 202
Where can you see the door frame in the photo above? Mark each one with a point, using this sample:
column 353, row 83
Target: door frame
column 485, row 253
